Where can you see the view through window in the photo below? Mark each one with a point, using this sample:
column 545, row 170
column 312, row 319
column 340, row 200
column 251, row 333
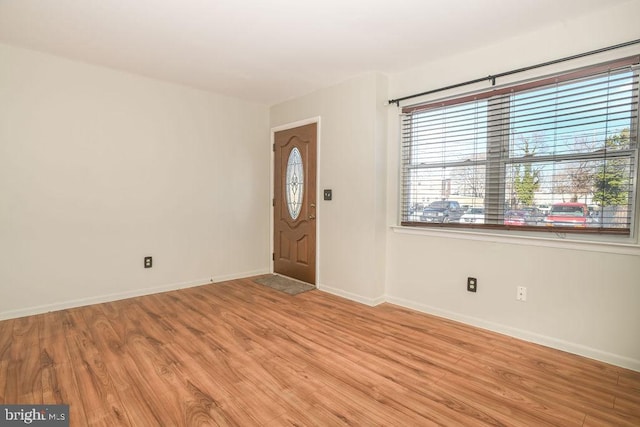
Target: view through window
column 559, row 154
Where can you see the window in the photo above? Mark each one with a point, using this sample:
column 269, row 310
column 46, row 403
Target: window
column 558, row 154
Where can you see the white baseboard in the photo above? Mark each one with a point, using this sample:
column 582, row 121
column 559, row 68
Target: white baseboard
column 558, row 344
column 353, row 297
column 63, row 305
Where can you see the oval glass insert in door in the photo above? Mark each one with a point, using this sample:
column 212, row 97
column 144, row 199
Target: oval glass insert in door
column 294, row 183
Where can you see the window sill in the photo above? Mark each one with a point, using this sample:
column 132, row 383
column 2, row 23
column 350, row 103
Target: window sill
column 550, row 242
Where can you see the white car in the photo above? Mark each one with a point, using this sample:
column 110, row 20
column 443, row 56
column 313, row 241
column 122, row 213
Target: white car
column 473, row 216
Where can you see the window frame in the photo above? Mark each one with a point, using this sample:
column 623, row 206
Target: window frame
column 499, row 163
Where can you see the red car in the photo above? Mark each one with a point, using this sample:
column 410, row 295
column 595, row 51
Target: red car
column 568, row 215
column 515, row 217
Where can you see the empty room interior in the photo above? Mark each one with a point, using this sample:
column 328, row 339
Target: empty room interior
column 327, row 213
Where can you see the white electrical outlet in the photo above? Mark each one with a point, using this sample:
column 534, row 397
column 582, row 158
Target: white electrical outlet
column 521, row 294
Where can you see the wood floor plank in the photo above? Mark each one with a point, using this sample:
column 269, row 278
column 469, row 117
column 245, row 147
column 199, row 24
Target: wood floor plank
column 611, row 419
column 24, row 374
column 575, row 395
column 629, row 405
column 6, row 337
column 133, row 385
column 240, row 354
column 629, row 379
column 102, row 403
column 59, row 381
column 59, row 384
column 506, row 404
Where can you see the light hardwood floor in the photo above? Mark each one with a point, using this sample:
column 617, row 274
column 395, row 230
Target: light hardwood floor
column 238, row 353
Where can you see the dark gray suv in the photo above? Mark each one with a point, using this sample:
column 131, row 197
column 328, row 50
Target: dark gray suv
column 442, row 211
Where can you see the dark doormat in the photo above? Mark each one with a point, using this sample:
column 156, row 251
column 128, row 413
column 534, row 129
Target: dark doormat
column 284, row 284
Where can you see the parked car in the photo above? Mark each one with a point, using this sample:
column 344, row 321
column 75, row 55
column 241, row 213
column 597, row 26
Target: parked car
column 568, row 215
column 473, row 216
column 533, row 216
column 416, row 208
column 544, row 208
column 442, row 211
column 515, row 217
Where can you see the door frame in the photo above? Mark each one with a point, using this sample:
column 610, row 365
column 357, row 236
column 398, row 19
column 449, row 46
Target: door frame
column 318, row 190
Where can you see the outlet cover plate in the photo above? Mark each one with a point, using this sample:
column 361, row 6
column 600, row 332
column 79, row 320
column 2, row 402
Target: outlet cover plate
column 472, row 284
column 521, row 294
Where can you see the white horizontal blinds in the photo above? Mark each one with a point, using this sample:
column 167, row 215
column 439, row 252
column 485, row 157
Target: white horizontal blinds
column 444, row 153
column 576, row 142
column 566, row 140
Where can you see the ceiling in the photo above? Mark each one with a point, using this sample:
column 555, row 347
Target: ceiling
column 269, row 51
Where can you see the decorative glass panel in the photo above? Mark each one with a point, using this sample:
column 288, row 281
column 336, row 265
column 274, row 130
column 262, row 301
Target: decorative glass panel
column 294, row 184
